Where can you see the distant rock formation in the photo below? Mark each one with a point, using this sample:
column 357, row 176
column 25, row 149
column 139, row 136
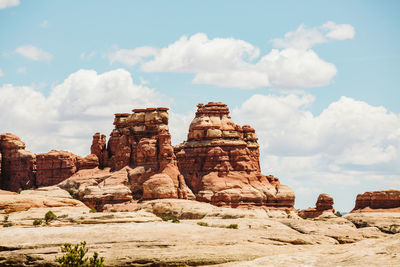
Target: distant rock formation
column 324, row 204
column 388, row 200
column 220, row 162
column 18, row 166
column 22, row 169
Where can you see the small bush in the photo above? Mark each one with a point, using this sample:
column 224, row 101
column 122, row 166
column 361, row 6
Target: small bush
column 113, row 210
column 5, row 219
column 93, row 210
column 337, row 213
column 232, row 226
column 19, row 190
column 37, row 222
column 72, row 192
column 168, row 218
column 8, row 224
column 175, row 220
column 202, row 223
column 49, row 216
column 74, row 255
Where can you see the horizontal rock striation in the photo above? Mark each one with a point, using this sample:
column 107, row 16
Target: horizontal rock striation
column 142, row 142
column 378, row 200
column 220, row 162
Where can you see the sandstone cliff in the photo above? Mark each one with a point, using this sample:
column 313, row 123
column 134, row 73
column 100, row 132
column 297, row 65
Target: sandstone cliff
column 388, row 200
column 220, row 162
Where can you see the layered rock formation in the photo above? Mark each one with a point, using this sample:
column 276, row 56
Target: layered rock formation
column 140, row 154
column 18, row 166
column 220, row 162
column 324, row 204
column 378, row 201
column 22, row 169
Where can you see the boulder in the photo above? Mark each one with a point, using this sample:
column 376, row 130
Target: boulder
column 324, row 206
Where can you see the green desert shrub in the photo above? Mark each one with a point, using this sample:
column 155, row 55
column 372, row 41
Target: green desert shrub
column 202, row 223
column 74, row 255
column 175, row 220
column 8, row 224
column 337, row 213
column 49, row 216
column 37, row 222
column 232, row 226
column 93, row 210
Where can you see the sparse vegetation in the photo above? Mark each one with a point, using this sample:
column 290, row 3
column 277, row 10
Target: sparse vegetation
column 232, row 226
column 337, row 213
column 73, row 193
column 37, row 222
column 202, row 224
column 5, row 219
column 113, row 210
column 49, row 216
column 93, row 210
column 175, row 220
column 74, row 255
column 8, row 224
column 168, row 218
column 19, row 190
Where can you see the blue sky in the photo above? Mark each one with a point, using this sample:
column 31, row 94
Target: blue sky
column 327, row 118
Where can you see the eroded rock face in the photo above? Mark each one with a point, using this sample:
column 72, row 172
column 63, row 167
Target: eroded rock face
column 18, row 166
column 21, row 169
column 142, row 142
column 378, row 200
column 324, row 204
column 54, row 167
column 220, row 162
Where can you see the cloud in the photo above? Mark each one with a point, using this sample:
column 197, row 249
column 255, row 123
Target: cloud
column 349, row 148
column 22, row 69
column 87, row 56
column 349, row 143
column 34, row 53
column 305, row 38
column 44, row 24
column 1, row 73
column 339, row 31
column 234, row 63
column 131, row 57
column 66, row 119
column 8, row 3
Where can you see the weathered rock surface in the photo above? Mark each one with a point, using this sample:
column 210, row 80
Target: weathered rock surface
column 18, row 166
column 378, row 201
column 324, row 205
column 220, row 162
column 140, row 238
column 44, row 197
column 21, row 169
column 388, row 222
column 141, row 143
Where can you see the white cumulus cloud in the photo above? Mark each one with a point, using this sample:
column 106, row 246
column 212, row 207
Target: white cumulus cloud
column 234, row 63
column 34, row 53
column 84, row 103
column 131, row 57
column 8, row 3
column 350, row 143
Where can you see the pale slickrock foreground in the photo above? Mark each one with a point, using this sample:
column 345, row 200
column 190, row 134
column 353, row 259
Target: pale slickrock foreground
column 263, row 238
